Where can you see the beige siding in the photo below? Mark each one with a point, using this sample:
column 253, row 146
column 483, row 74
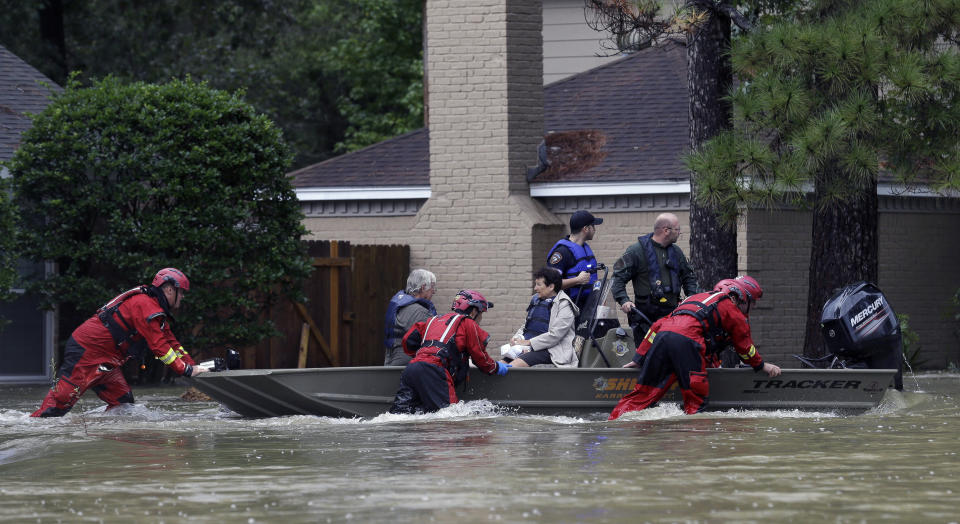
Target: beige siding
column 569, row 45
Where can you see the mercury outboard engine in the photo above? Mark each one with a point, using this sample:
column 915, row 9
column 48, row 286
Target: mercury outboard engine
column 861, row 330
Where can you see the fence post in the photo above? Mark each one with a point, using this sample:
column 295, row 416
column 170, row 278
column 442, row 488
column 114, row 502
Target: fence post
column 304, row 345
column 335, row 300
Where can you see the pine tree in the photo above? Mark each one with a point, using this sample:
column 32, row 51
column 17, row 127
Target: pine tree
column 832, row 98
column 706, row 27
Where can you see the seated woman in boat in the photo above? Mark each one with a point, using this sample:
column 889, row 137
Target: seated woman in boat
column 547, row 335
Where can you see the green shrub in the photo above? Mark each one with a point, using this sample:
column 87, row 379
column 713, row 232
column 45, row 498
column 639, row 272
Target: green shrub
column 115, row 181
column 8, row 259
column 911, row 342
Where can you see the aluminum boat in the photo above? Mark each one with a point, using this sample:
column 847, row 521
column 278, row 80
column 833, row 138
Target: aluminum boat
column 369, row 391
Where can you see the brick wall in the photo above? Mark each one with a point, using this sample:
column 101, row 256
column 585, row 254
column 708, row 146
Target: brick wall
column 484, row 74
column 361, row 230
column 778, row 256
column 919, row 251
column 918, row 274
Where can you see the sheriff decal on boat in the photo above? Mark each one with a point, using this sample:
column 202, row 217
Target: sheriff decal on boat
column 620, row 348
column 613, row 387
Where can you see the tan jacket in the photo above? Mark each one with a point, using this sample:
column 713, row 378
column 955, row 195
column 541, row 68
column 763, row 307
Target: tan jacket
column 558, row 339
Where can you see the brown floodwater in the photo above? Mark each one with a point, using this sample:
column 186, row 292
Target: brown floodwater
column 169, row 460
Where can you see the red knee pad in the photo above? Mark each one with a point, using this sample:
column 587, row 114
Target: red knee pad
column 695, row 398
column 699, row 383
column 65, row 394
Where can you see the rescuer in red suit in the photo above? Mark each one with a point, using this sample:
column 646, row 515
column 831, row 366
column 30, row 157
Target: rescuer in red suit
column 124, row 328
column 442, row 348
column 682, row 345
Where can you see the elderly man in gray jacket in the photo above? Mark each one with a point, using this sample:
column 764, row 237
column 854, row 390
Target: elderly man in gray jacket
column 555, row 344
column 406, row 308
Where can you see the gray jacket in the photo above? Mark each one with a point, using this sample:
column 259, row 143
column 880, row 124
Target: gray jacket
column 406, row 317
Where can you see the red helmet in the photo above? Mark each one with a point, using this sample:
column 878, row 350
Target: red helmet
column 170, row 274
column 467, row 298
column 745, row 287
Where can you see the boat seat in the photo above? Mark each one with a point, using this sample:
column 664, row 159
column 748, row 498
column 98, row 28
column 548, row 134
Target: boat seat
column 617, row 346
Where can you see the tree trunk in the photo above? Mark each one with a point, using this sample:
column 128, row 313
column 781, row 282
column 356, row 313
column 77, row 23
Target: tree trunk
column 844, row 251
column 51, row 30
column 713, row 245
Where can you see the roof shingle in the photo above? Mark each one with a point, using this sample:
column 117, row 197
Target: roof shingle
column 632, row 114
column 21, row 92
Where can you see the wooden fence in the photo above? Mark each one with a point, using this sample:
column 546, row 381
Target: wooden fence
column 341, row 322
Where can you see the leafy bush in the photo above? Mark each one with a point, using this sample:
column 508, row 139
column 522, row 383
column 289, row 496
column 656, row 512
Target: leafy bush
column 115, row 181
column 8, row 269
column 911, row 342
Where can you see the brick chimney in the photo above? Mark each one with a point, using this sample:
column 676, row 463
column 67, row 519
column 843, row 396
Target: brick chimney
column 480, row 229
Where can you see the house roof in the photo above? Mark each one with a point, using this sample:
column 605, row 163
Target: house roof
column 400, row 161
column 625, row 121
column 20, row 93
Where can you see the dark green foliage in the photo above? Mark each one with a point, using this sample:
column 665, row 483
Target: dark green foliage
column 8, row 259
column 116, row 181
column 831, row 97
column 858, row 87
column 380, row 63
column 334, row 75
column 911, row 343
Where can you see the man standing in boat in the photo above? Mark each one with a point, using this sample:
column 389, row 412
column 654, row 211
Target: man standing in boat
column 574, row 258
column 406, row 308
column 658, row 270
column 443, row 347
column 124, row 328
column 678, row 347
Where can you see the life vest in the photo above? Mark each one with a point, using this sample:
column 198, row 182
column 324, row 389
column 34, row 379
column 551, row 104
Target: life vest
column 538, row 317
column 120, row 329
column 584, row 261
column 658, row 287
column 438, row 340
column 708, row 314
column 393, row 331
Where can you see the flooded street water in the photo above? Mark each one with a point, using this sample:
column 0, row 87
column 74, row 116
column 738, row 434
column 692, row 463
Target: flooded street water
column 168, row 460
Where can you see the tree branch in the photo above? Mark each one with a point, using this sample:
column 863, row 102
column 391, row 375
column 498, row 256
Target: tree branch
column 735, row 16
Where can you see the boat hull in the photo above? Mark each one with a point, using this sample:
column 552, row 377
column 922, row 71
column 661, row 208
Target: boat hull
column 369, row 391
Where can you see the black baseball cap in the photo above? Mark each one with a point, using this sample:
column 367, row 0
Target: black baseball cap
column 582, row 219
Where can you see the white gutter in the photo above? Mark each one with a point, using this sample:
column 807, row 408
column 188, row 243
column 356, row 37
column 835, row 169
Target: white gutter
column 900, row 190
column 888, row 189
column 314, row 194
column 557, row 189
column 550, row 189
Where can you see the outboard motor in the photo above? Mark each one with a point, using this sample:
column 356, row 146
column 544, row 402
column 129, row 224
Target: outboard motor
column 860, row 328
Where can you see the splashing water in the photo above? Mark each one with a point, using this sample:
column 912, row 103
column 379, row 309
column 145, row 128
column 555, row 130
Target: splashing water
column 173, row 461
